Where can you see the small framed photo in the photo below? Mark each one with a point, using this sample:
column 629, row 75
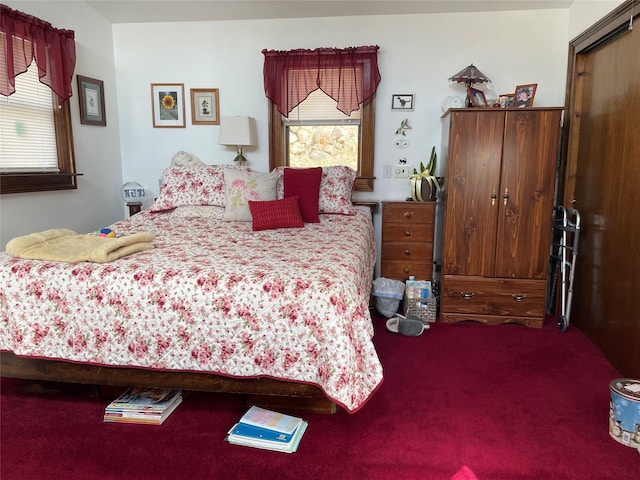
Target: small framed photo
column 91, row 98
column 402, row 101
column 506, row 100
column 523, row 97
column 477, row 97
column 167, row 104
column 205, row 106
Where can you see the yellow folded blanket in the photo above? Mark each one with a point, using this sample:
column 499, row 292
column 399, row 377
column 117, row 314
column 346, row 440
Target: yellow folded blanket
column 63, row 245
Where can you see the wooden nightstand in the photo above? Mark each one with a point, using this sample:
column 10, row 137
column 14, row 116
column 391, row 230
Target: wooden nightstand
column 407, row 240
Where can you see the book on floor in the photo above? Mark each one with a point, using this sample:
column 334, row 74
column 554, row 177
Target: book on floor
column 266, row 429
column 143, row 405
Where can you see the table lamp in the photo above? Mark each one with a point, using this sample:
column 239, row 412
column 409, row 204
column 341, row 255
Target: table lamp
column 238, row 132
column 469, row 76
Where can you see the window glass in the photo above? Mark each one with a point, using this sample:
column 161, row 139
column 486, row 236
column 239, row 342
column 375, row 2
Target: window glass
column 27, row 127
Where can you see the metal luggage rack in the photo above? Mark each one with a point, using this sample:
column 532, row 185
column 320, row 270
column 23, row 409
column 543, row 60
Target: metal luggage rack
column 562, row 261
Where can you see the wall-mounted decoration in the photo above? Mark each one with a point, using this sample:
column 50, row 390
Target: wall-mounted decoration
column 524, row 95
column 205, row 106
column 91, row 98
column 402, row 101
column 476, row 97
column 401, row 142
column 167, row 102
column 404, row 125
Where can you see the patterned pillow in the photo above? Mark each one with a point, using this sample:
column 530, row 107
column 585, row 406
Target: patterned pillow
column 184, row 185
column 336, row 188
column 284, row 213
column 212, row 212
column 242, row 186
column 304, row 183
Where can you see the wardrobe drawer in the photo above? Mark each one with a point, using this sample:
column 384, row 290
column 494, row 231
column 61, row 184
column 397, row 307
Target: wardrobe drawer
column 493, row 296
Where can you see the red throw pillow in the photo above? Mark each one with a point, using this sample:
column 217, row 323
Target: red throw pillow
column 268, row 214
column 304, row 182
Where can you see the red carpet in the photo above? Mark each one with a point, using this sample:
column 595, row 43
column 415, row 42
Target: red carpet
column 461, row 401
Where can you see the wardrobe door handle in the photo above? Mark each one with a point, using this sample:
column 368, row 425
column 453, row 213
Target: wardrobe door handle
column 519, row 297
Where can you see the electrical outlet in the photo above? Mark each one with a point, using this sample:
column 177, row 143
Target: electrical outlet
column 402, row 171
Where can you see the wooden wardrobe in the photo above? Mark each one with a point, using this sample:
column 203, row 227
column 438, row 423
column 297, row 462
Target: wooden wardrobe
column 498, row 208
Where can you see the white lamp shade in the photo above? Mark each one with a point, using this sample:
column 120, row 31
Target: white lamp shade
column 238, row 131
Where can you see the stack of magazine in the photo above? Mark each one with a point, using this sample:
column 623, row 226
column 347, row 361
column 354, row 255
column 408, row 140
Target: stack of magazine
column 143, row 405
column 261, row 428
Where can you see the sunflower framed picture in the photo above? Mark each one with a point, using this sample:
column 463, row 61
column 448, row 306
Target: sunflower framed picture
column 167, row 103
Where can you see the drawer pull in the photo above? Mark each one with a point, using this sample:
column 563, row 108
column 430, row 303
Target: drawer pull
column 467, row 295
column 407, row 252
column 519, row 297
column 407, row 233
column 407, row 214
column 406, row 270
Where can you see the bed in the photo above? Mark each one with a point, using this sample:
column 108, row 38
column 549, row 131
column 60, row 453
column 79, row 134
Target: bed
column 220, row 303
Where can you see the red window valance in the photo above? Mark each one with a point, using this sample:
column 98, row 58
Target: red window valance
column 24, row 38
column 348, row 75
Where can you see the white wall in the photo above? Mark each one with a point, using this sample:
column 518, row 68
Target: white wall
column 96, row 203
column 584, row 13
column 418, row 53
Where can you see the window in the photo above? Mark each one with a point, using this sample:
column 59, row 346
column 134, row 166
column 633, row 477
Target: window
column 36, row 143
column 313, row 135
column 36, row 148
column 322, row 108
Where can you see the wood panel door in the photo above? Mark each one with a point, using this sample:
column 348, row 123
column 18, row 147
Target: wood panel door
column 529, row 160
column 603, row 182
column 473, row 185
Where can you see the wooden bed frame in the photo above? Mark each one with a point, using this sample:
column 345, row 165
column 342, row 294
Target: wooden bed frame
column 265, row 392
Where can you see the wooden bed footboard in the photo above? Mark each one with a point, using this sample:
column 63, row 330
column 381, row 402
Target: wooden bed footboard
column 264, row 392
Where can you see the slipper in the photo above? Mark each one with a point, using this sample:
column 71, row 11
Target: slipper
column 411, row 327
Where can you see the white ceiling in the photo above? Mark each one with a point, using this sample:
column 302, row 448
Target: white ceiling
column 146, row 11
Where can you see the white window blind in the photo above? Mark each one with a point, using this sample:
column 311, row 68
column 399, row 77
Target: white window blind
column 27, row 128
column 320, row 108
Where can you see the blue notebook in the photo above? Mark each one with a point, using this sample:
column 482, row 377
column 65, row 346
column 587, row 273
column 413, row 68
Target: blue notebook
column 250, row 431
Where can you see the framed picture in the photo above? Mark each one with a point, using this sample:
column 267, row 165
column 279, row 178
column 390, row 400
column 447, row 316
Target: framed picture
column 476, row 97
column 506, row 100
column 205, row 106
column 402, row 101
column 523, row 97
column 167, row 103
column 91, row 98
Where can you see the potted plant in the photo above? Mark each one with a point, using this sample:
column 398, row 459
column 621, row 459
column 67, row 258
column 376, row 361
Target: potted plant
column 424, row 184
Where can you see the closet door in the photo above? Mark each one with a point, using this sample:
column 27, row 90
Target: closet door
column 527, row 186
column 475, row 152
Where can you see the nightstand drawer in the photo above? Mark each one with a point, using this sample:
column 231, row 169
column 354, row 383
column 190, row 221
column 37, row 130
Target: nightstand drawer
column 408, row 212
column 403, row 270
column 407, row 251
column 396, row 232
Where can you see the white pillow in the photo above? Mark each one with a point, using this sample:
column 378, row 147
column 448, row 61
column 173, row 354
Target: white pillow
column 242, row 186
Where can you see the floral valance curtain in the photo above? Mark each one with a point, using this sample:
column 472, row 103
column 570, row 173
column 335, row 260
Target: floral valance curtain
column 24, row 38
column 348, row 75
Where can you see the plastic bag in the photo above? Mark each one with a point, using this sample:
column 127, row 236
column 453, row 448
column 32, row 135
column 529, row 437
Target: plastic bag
column 388, row 293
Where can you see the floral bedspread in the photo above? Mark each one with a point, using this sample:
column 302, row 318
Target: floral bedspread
column 211, row 296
